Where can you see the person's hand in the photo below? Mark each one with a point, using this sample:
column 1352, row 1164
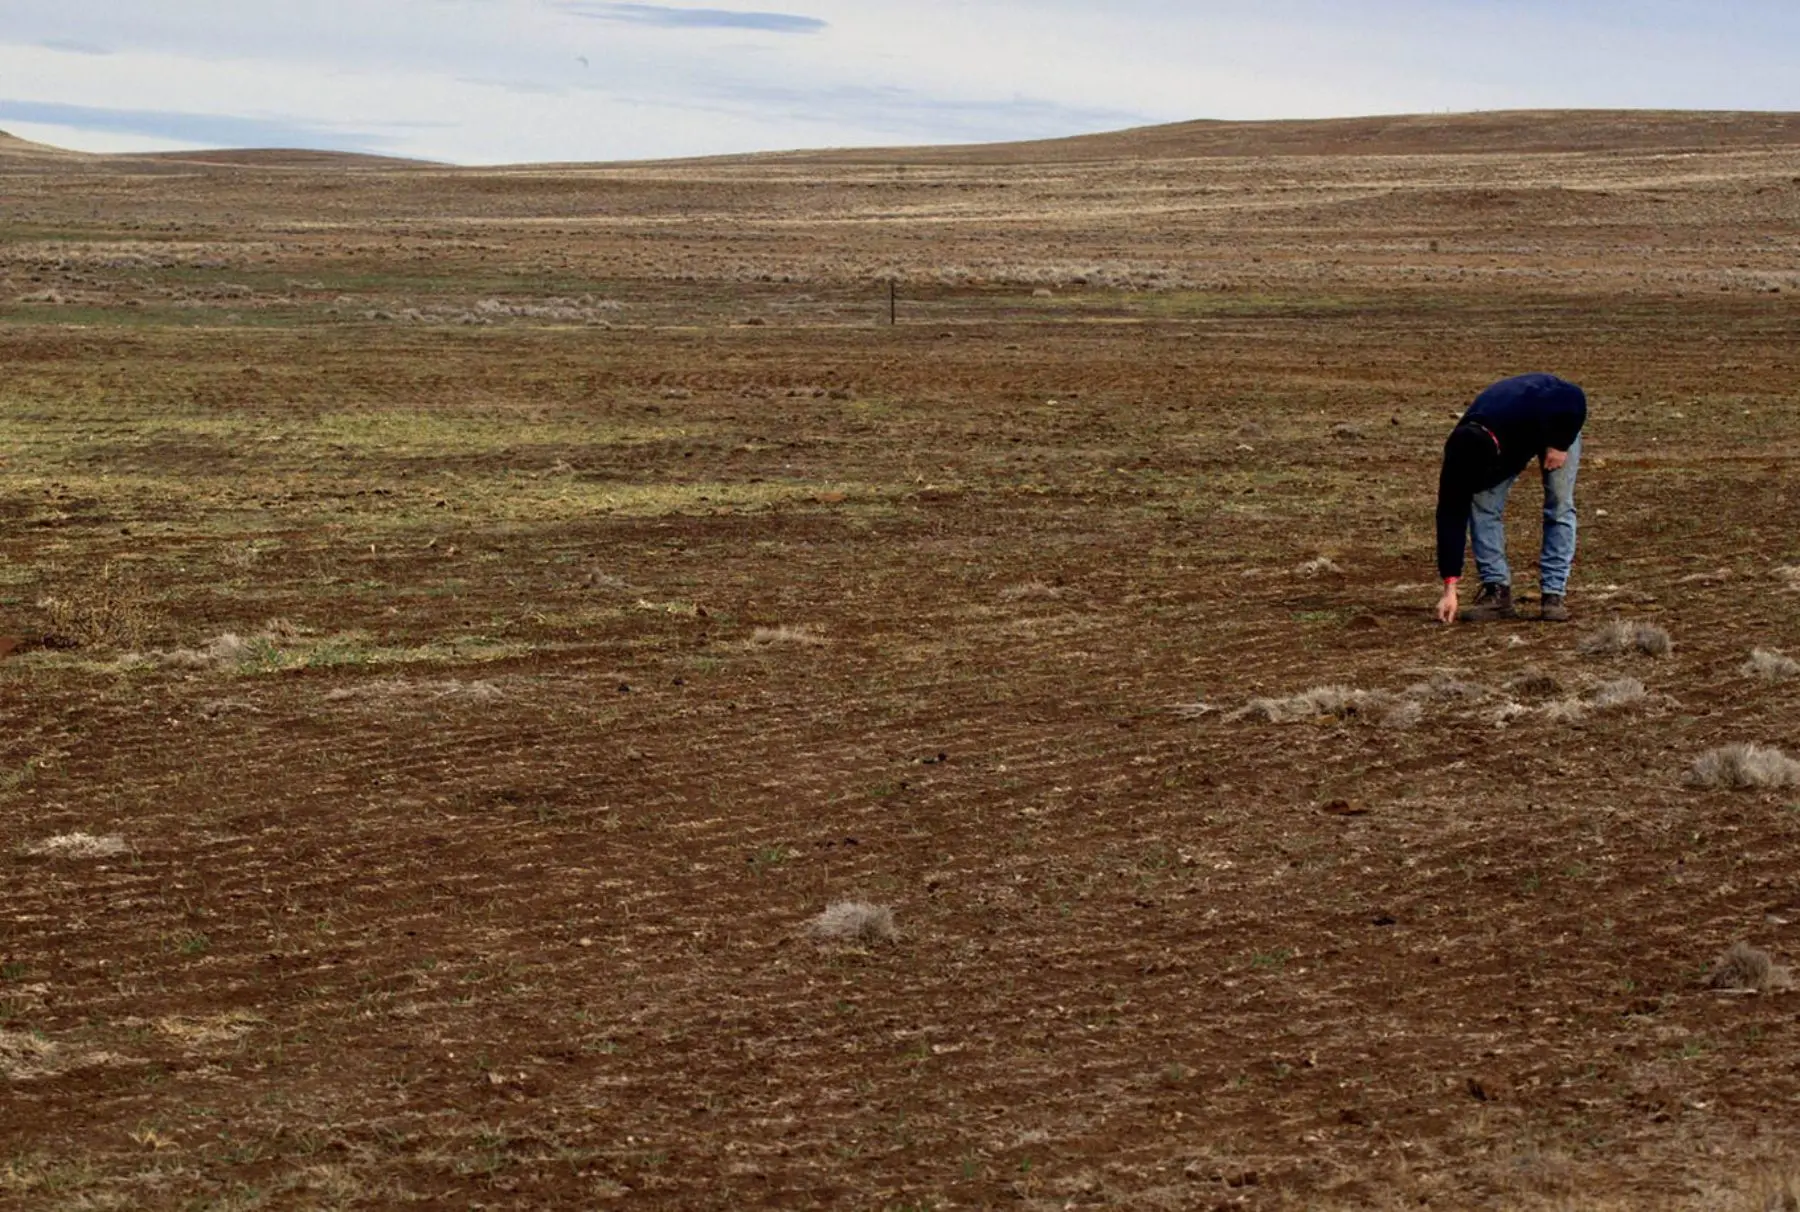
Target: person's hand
column 1447, row 605
column 1554, row 459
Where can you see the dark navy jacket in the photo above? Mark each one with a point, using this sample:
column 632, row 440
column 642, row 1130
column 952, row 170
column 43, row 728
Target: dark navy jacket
column 1508, row 425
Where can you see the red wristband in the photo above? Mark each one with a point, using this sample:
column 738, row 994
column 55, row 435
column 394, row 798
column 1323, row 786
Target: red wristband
column 1451, row 580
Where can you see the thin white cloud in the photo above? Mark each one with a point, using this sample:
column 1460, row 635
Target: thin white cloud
column 672, row 17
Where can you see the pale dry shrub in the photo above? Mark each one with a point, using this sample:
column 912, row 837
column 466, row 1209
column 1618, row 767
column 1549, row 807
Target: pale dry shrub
column 1347, row 433
column 1028, row 590
column 1741, row 766
column 1401, row 713
column 1333, row 702
column 79, row 845
column 1314, row 567
column 1506, row 712
column 854, row 922
column 584, row 308
column 479, row 690
column 1565, row 711
column 1603, row 696
column 804, row 637
column 1770, row 665
column 1443, row 687
column 1744, row 967
column 226, row 649
column 1619, row 692
column 1620, row 637
column 222, row 650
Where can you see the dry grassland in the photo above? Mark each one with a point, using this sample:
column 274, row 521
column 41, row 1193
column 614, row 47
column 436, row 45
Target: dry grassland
column 534, row 694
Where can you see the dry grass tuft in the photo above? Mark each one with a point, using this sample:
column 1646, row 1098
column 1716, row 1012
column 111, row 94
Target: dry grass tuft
column 1565, row 711
column 855, row 922
column 1347, row 432
column 1741, row 766
column 1775, row 1192
column 804, row 637
column 79, row 845
column 1333, row 702
column 1621, row 637
column 1028, row 590
column 480, row 690
column 215, row 1029
column 1314, row 567
column 1536, row 684
column 1442, row 687
column 1747, row 968
column 1604, row 696
column 1769, row 664
column 227, row 649
column 223, row 651
column 1619, row 692
column 24, row 1056
column 112, row 611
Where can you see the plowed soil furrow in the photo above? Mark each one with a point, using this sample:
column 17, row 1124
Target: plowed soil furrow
column 475, row 623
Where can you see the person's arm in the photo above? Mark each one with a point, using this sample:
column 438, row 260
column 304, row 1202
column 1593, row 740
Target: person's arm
column 1453, row 505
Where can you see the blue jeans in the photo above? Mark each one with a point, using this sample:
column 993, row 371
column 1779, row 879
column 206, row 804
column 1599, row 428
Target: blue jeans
column 1487, row 534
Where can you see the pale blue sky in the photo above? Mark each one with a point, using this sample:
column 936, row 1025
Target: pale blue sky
column 499, row 81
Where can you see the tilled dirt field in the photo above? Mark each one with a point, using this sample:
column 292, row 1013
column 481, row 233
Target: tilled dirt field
column 474, row 623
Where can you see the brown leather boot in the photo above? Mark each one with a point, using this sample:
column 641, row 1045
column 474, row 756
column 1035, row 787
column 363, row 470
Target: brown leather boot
column 1553, row 609
column 1492, row 603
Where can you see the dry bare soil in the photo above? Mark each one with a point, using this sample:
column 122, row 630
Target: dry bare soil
column 474, row 621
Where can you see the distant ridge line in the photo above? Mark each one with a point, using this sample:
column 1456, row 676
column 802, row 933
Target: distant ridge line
column 1474, row 133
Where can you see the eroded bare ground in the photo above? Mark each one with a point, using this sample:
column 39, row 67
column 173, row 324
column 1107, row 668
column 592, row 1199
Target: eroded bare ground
column 437, row 731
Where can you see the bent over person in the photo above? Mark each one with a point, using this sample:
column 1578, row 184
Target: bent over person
column 1535, row 416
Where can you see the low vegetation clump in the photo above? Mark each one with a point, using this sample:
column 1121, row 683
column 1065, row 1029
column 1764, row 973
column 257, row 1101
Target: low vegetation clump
column 1742, row 766
column 1619, row 637
column 1537, row 685
column 1747, row 968
column 804, row 637
column 1031, row 590
column 112, row 611
column 1444, row 687
column 1335, row 702
column 1443, row 693
column 79, row 845
column 227, row 650
column 855, row 922
column 24, row 1056
column 1770, row 665
column 1604, row 696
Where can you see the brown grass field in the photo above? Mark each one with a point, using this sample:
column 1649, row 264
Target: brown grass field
column 473, row 623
